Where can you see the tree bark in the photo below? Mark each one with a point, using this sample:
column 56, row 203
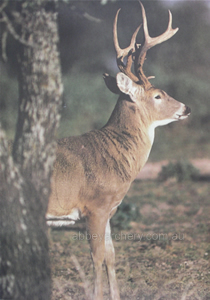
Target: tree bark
column 25, row 175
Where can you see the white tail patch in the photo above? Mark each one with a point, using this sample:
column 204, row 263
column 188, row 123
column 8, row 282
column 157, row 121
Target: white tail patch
column 60, row 223
column 64, row 220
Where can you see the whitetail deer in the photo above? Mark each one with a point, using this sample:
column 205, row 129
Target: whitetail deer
column 93, row 172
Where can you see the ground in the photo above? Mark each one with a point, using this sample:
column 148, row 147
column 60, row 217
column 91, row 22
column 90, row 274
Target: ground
column 163, row 255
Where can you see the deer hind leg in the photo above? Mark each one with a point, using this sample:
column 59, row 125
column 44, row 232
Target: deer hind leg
column 110, row 264
column 96, row 225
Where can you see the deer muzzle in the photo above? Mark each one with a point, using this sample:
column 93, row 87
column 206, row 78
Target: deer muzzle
column 183, row 112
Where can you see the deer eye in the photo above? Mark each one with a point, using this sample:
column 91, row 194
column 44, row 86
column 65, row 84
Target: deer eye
column 157, row 97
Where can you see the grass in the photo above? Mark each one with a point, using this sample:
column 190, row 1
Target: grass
column 163, row 255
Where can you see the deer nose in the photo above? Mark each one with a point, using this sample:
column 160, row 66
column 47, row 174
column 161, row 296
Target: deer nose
column 187, row 110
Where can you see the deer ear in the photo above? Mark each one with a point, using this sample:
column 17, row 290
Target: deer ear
column 127, row 86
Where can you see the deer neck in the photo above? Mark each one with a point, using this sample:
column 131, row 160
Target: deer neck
column 133, row 126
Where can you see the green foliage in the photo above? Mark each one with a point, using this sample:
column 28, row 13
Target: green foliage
column 180, row 67
column 181, row 170
column 126, row 213
column 87, row 103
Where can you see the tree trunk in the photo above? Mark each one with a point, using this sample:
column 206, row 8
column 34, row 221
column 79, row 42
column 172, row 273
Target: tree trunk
column 25, row 176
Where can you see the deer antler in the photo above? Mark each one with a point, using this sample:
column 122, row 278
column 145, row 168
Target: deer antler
column 149, row 43
column 122, row 53
column 137, row 53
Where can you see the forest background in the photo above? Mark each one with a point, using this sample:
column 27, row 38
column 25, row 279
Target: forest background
column 180, row 67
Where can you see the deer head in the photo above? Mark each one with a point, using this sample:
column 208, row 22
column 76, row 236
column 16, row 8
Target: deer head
column 159, row 107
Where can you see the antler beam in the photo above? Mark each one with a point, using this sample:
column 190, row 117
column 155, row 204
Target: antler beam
column 149, row 43
column 137, row 53
column 122, row 53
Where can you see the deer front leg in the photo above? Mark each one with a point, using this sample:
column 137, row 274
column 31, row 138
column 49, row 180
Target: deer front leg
column 110, row 264
column 96, row 225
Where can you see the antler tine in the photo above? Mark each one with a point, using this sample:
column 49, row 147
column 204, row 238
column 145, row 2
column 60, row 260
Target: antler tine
column 122, row 53
column 149, row 43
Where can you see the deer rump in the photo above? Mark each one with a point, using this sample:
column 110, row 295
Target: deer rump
column 89, row 169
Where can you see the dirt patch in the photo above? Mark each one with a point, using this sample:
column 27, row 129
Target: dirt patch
column 152, row 169
column 163, row 256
